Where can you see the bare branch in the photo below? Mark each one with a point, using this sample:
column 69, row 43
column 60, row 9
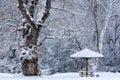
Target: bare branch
column 41, row 42
column 47, row 10
column 77, row 42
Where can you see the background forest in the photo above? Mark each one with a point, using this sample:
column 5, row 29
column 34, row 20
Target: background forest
column 71, row 26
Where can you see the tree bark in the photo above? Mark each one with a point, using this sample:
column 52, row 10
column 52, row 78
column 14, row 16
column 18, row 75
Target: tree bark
column 30, row 67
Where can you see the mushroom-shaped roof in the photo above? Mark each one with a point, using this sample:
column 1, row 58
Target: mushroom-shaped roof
column 86, row 53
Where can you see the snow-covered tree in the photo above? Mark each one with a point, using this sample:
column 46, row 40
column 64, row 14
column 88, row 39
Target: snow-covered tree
column 31, row 28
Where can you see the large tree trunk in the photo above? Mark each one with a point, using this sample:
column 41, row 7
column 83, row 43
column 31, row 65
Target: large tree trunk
column 30, row 67
column 31, row 31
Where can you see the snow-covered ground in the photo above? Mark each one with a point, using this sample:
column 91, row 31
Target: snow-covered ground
column 61, row 76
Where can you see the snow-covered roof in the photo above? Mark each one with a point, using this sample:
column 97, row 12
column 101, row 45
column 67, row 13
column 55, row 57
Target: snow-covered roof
column 86, row 53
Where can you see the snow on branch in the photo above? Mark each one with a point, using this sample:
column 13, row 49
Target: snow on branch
column 21, row 28
column 27, row 53
column 102, row 5
column 69, row 11
column 32, row 7
column 43, row 15
column 110, row 4
column 9, row 19
column 25, row 12
column 48, row 37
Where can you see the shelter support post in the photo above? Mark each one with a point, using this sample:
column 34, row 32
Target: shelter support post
column 86, row 66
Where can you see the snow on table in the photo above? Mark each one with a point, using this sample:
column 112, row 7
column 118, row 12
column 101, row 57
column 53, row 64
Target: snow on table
column 61, row 76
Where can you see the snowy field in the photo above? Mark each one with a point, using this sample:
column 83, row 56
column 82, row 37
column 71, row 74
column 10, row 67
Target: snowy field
column 61, row 76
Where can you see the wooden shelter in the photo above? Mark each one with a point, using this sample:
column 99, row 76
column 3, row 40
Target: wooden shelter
column 87, row 53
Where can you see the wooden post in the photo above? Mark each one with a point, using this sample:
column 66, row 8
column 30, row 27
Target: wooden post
column 86, row 66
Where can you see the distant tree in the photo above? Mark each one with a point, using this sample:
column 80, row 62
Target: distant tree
column 108, row 11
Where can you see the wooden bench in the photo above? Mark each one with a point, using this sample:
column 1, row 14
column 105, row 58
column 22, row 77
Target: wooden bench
column 86, row 74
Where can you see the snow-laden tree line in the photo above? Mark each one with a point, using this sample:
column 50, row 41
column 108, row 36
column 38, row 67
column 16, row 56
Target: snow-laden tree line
column 38, row 36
